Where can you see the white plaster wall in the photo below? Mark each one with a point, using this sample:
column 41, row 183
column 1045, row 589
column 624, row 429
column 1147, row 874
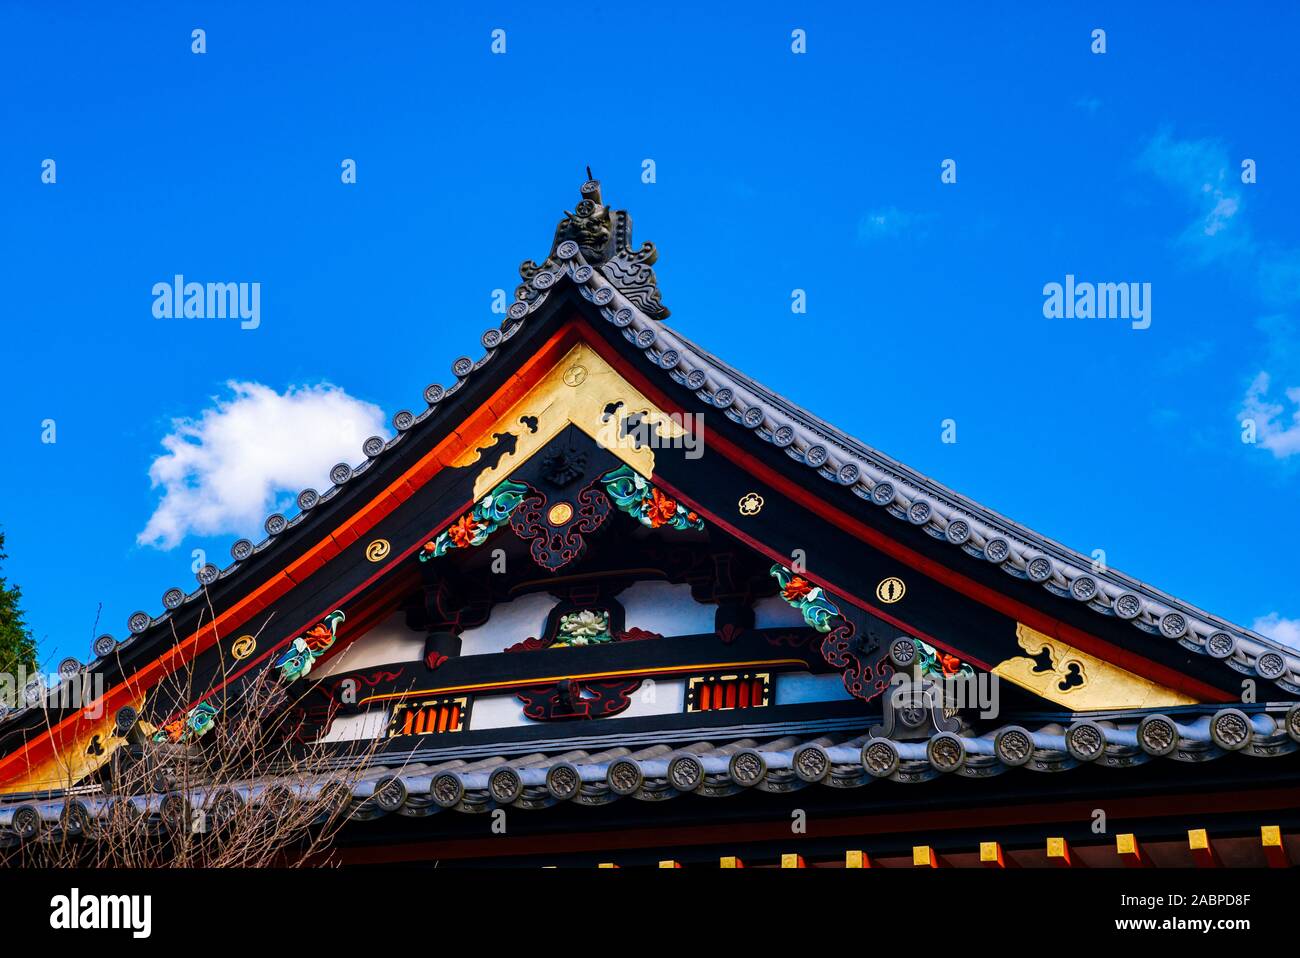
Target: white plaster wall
column 775, row 613
column 661, row 697
column 365, row 725
column 388, row 642
column 510, row 622
column 795, row 687
column 498, row 711
column 666, row 608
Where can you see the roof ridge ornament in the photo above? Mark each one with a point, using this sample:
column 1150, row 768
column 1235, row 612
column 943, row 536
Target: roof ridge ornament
column 603, row 238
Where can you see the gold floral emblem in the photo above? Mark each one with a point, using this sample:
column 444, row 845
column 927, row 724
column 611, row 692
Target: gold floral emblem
column 751, row 504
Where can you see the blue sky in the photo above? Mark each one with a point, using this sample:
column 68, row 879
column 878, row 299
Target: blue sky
column 775, row 171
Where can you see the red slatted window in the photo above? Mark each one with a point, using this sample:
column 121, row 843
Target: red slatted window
column 716, row 693
column 435, row 717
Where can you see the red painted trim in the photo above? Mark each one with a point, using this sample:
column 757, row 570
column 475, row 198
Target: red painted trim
column 1008, row 606
column 279, row 583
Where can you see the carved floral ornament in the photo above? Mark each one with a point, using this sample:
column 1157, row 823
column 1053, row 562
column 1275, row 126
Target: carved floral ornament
column 841, row 649
column 624, row 487
column 636, row 496
column 472, row 529
column 292, row 664
column 586, row 627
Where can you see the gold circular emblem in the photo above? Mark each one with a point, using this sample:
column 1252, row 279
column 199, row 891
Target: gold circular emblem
column 243, row 647
column 890, row 590
column 575, row 375
column 751, row 504
column 377, row 550
column 559, row 514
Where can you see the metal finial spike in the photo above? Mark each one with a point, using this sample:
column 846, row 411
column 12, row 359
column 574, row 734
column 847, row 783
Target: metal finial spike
column 589, row 176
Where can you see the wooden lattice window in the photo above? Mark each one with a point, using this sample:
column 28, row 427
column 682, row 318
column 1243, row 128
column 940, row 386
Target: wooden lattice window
column 715, row 693
column 432, row 717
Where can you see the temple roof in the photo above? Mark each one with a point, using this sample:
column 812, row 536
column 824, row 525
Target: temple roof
column 592, row 255
column 657, row 766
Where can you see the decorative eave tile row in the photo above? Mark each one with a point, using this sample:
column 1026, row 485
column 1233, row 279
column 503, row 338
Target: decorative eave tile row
column 663, row 771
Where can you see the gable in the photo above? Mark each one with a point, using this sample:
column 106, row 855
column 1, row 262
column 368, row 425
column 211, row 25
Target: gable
column 583, row 363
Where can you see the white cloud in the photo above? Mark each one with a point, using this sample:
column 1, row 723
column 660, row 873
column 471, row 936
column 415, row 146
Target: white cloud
column 1225, row 208
column 1275, row 429
column 226, row 470
column 1210, row 179
column 1203, row 172
column 891, row 221
column 1286, row 631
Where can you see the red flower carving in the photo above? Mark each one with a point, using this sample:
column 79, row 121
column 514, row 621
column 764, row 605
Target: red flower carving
column 319, row 638
column 796, row 589
column 950, row 664
column 463, row 530
column 660, row 509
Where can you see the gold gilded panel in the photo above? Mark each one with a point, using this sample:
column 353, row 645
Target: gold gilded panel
column 73, row 759
column 581, row 389
column 1078, row 681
